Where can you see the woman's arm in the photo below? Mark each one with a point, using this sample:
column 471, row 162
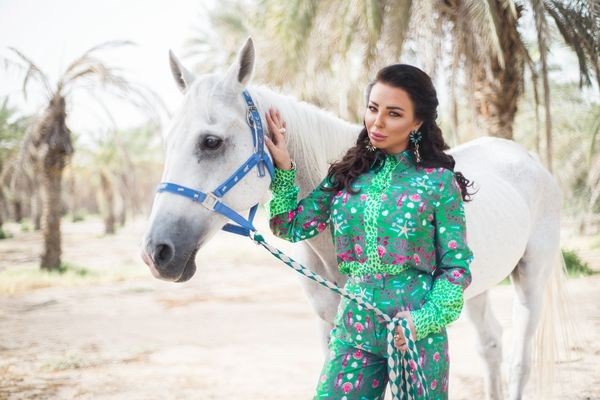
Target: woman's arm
column 452, row 276
column 293, row 220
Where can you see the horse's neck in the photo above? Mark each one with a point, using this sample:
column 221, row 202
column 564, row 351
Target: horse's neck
column 315, row 137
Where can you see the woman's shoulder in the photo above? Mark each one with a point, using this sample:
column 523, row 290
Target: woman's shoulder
column 438, row 173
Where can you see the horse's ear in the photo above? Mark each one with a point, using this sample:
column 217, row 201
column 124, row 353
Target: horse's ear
column 240, row 72
column 182, row 76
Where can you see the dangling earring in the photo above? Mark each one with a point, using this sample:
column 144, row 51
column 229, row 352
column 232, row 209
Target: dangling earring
column 370, row 147
column 415, row 137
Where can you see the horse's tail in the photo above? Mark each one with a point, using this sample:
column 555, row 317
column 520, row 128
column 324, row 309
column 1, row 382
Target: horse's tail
column 556, row 331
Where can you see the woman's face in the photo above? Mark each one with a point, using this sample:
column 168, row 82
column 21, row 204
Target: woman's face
column 390, row 118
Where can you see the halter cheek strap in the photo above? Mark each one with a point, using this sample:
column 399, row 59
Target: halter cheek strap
column 213, row 200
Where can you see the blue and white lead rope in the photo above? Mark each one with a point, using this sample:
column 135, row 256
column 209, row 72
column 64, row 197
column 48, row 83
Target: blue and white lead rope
column 397, row 381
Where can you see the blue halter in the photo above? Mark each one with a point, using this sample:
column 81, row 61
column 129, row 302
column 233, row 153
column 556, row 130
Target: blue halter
column 212, row 200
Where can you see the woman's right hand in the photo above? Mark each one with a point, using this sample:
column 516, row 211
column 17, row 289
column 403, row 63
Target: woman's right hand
column 277, row 146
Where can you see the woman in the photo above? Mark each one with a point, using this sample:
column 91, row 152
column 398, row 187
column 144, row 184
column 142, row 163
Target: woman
column 395, row 209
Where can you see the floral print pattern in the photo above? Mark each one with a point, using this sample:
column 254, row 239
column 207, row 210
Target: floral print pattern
column 403, row 216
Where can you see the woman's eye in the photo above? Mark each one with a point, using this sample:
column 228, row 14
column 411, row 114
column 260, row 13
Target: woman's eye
column 393, row 114
column 212, row 142
column 374, row 109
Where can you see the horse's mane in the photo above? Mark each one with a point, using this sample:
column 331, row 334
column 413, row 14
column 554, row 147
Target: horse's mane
column 316, row 137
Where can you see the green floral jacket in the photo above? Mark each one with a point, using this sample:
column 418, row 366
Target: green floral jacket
column 403, row 216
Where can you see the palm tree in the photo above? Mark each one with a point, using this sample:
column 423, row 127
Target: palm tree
column 482, row 39
column 49, row 142
column 12, row 130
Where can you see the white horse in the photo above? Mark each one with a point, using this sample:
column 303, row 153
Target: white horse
column 512, row 223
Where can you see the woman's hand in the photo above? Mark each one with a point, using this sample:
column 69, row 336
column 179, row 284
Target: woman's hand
column 277, row 145
column 399, row 338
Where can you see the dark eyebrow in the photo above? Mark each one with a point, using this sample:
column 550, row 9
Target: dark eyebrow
column 389, row 107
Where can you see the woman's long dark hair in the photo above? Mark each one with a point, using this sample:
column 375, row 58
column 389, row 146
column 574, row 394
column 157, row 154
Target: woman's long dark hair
column 420, row 89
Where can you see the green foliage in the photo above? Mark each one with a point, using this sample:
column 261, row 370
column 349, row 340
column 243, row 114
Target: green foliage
column 26, row 226
column 12, row 130
column 575, row 265
column 4, row 234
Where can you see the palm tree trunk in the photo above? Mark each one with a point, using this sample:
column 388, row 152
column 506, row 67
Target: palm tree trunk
column 37, row 208
column 498, row 85
column 108, row 195
column 53, row 147
column 51, row 192
column 18, row 209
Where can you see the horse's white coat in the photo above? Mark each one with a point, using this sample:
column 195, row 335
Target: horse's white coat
column 512, row 222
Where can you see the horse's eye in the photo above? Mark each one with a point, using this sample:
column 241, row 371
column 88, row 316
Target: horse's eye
column 212, row 142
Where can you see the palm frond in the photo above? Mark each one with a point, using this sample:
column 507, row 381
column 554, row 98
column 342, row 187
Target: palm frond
column 87, row 54
column 579, row 23
column 31, row 71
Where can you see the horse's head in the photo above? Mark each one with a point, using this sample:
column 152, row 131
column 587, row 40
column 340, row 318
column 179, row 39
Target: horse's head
column 208, row 141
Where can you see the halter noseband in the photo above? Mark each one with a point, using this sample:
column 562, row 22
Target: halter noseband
column 213, row 200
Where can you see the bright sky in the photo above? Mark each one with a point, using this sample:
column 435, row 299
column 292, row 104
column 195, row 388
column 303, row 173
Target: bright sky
column 52, row 33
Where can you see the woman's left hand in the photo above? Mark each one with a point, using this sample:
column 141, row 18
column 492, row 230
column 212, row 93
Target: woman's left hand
column 399, row 338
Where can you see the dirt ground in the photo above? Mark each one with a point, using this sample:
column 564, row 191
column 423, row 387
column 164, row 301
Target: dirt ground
column 242, row 328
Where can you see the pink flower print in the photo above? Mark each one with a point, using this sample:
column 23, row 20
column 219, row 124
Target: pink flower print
column 433, row 384
column 358, row 381
column 363, row 197
column 415, row 197
column 429, row 170
column 345, row 360
column 412, row 364
column 421, row 208
column 347, row 387
column 452, row 244
column 358, row 327
column 358, row 250
column 321, row 227
column 436, row 356
column 339, row 193
column 378, row 277
column 430, row 217
column 441, row 186
column 383, row 197
column 345, row 198
column 374, row 383
column 401, row 200
column 291, row 215
column 380, row 251
column 300, row 209
column 417, row 259
column 345, row 256
column 338, row 381
column 323, row 378
column 456, row 274
column 358, row 354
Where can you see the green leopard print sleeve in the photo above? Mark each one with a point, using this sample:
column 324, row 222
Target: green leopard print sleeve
column 445, row 301
column 443, row 306
column 292, row 220
column 285, row 192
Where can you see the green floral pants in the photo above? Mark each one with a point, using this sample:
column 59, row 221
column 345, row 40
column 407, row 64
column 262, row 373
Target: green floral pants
column 356, row 367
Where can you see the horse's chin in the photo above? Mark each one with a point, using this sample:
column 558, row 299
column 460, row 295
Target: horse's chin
column 190, row 268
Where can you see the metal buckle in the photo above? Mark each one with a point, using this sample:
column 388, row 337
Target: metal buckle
column 210, row 201
column 249, row 116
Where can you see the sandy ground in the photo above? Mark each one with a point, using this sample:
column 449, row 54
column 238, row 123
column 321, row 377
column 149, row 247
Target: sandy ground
column 242, row 328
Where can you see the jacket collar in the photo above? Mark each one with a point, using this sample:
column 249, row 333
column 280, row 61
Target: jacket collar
column 401, row 161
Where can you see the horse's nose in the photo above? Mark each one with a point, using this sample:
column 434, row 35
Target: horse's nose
column 162, row 254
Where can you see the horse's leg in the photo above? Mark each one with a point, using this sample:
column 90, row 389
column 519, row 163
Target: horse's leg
column 489, row 342
column 324, row 301
column 529, row 280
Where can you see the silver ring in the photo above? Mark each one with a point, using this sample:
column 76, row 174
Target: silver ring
column 282, row 130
